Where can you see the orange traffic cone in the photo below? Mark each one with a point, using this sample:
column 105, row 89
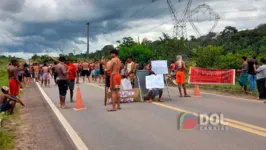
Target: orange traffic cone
column 196, row 91
column 79, row 102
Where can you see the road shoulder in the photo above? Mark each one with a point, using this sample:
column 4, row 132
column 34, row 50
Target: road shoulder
column 39, row 128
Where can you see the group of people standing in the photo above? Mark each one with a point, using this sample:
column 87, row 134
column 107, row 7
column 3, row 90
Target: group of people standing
column 255, row 74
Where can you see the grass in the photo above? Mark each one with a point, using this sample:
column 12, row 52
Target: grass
column 7, row 139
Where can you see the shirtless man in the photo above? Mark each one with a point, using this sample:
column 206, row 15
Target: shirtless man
column 114, row 67
column 180, row 75
column 7, row 102
column 14, row 83
column 46, row 75
column 36, row 72
column 76, row 64
column 62, row 72
column 85, row 71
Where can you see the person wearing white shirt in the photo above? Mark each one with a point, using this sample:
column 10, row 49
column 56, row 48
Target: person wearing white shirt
column 261, row 79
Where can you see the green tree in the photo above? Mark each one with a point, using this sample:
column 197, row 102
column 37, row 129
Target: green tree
column 140, row 54
column 207, row 57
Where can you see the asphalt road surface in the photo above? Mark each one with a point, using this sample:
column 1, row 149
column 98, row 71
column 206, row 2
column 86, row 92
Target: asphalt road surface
column 145, row 126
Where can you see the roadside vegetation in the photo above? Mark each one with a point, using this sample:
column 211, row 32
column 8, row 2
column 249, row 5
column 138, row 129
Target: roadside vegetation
column 215, row 50
column 7, row 137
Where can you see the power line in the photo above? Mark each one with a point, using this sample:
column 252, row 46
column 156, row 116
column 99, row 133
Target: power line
column 132, row 15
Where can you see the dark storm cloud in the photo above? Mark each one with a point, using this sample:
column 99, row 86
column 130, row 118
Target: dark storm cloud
column 12, row 5
column 117, row 15
column 53, row 35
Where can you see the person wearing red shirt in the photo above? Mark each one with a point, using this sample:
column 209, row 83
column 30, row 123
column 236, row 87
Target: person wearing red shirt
column 71, row 78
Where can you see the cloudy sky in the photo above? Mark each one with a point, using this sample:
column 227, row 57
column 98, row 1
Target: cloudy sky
column 56, row 26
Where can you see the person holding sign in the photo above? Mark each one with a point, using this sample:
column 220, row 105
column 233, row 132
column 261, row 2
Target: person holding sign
column 180, row 75
column 154, row 92
column 130, row 70
column 114, row 67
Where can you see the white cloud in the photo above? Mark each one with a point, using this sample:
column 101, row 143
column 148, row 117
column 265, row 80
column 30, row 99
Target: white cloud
column 243, row 14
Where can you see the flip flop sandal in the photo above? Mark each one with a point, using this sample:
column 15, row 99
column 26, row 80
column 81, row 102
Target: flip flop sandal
column 110, row 110
column 187, row 96
column 66, row 107
column 119, row 108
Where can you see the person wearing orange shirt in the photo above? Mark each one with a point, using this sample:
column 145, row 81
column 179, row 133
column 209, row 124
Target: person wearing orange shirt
column 71, row 78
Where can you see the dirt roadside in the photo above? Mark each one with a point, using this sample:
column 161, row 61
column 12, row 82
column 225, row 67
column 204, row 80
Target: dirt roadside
column 38, row 127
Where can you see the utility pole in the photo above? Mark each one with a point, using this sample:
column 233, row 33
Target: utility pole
column 88, row 38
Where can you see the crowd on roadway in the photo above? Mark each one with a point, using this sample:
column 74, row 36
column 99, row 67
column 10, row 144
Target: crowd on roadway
column 67, row 73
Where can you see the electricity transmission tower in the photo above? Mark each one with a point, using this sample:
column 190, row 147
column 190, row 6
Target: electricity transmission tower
column 180, row 23
column 201, row 10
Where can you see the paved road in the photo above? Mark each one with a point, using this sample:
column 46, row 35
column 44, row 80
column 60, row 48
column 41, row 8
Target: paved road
column 144, row 126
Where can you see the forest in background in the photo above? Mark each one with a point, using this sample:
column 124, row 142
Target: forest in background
column 215, row 50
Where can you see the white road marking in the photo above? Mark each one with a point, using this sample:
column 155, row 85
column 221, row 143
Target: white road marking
column 71, row 132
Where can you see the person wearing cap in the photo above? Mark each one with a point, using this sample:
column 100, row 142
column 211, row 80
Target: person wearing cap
column 114, row 67
column 62, row 72
column 8, row 102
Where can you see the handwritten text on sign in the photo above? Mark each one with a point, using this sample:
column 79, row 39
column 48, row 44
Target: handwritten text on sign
column 211, row 76
column 125, row 97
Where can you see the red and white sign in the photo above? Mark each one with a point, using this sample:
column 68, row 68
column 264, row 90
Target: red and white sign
column 211, row 76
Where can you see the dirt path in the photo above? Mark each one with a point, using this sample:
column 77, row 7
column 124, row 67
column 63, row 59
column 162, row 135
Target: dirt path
column 39, row 129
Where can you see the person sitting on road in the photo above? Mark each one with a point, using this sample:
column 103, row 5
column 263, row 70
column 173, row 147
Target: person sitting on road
column 152, row 93
column 8, row 102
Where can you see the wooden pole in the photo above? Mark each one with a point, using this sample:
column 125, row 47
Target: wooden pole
column 55, row 59
column 105, row 91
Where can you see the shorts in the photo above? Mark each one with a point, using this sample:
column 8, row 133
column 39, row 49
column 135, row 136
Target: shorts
column 85, row 73
column 6, row 106
column 93, row 72
column 36, row 75
column 243, row 79
column 180, row 77
column 20, row 78
column 97, row 72
column 13, row 87
column 155, row 92
column 115, row 82
column 62, row 86
column 46, row 76
column 27, row 75
column 101, row 72
column 173, row 73
column 107, row 80
column 55, row 76
column 71, row 84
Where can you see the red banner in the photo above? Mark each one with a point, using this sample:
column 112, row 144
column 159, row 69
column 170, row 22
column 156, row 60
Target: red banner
column 211, row 76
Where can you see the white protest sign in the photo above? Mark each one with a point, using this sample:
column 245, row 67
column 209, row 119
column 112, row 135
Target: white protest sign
column 126, row 84
column 155, row 81
column 159, row 66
